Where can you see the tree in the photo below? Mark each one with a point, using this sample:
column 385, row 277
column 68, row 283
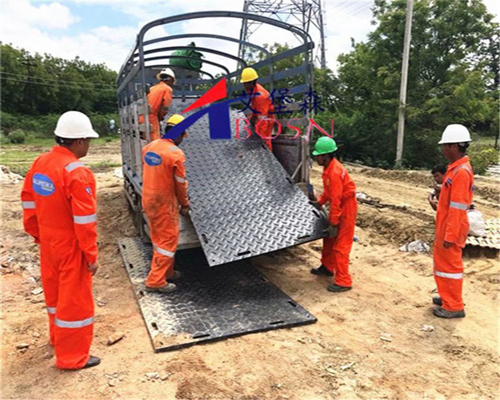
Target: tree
column 40, row 85
column 452, row 78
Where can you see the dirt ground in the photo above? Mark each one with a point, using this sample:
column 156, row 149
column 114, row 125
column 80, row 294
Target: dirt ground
column 342, row 356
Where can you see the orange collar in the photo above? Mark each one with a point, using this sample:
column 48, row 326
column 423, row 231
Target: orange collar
column 460, row 161
column 63, row 150
column 330, row 166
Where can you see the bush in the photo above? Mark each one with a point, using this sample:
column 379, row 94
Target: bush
column 42, row 126
column 18, row 136
column 3, row 138
column 481, row 157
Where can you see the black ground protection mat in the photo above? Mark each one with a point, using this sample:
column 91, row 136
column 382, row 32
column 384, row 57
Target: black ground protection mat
column 243, row 202
column 209, row 303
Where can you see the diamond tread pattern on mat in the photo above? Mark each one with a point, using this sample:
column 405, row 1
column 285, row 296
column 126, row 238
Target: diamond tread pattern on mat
column 209, row 303
column 243, row 201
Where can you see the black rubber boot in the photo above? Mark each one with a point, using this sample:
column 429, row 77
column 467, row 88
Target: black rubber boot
column 442, row 313
column 437, row 301
column 92, row 362
column 336, row 288
column 321, row 270
column 175, row 276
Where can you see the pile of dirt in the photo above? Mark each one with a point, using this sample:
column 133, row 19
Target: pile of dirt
column 7, row 177
column 420, row 178
column 395, row 226
column 486, row 187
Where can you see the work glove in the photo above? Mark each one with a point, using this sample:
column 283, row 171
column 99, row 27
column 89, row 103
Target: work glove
column 331, row 231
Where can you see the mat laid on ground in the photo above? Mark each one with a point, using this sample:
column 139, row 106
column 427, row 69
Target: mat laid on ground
column 243, row 202
column 492, row 238
column 209, row 303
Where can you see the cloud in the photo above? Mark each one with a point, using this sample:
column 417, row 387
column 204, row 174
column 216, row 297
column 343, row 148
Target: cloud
column 49, row 16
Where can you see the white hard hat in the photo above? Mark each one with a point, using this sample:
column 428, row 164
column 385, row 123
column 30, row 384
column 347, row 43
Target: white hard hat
column 455, row 133
column 74, row 125
column 165, row 71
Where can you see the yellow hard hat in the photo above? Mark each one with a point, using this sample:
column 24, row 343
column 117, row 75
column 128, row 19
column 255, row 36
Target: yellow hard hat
column 248, row 75
column 175, row 119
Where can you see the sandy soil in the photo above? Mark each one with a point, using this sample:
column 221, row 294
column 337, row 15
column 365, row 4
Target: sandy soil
column 342, row 356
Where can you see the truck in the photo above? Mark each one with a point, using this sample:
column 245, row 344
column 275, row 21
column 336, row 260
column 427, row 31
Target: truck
column 245, row 200
column 194, row 76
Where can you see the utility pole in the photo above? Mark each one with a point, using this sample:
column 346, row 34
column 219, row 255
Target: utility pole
column 28, row 90
column 404, row 82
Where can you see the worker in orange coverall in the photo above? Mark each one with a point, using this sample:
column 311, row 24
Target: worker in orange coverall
column 452, row 225
column 262, row 116
column 59, row 212
column 159, row 100
column 340, row 192
column 164, row 196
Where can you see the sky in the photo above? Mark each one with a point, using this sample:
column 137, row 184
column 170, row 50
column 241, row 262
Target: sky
column 103, row 31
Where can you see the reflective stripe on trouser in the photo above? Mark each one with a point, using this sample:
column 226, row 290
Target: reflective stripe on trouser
column 164, row 235
column 448, row 273
column 67, row 287
column 336, row 251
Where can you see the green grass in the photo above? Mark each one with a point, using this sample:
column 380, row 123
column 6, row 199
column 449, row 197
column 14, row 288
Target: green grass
column 104, row 164
column 19, row 157
column 49, row 142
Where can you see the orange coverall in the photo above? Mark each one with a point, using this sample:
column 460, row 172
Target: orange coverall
column 164, row 188
column 340, row 192
column 160, row 96
column 60, row 212
column 452, row 226
column 262, row 104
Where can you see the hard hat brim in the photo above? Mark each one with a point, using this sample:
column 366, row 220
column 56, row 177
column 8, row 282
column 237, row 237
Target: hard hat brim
column 444, row 141
column 247, row 80
column 89, row 135
column 159, row 74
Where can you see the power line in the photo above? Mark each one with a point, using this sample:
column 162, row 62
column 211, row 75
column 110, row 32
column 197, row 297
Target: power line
column 359, row 10
column 55, row 84
column 58, row 80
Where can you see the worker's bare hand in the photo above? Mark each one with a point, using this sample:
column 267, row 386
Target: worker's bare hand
column 432, row 201
column 184, row 211
column 447, row 245
column 93, row 267
column 332, row 231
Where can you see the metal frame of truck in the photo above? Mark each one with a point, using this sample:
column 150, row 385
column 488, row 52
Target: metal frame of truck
column 138, row 73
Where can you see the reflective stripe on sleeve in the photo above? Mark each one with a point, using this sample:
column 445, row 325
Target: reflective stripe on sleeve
column 179, row 179
column 28, row 205
column 84, row 219
column 73, row 166
column 51, row 310
column 448, row 275
column 163, row 251
column 74, row 324
column 459, row 206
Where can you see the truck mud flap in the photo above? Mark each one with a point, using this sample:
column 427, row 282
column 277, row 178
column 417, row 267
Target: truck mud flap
column 209, row 303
